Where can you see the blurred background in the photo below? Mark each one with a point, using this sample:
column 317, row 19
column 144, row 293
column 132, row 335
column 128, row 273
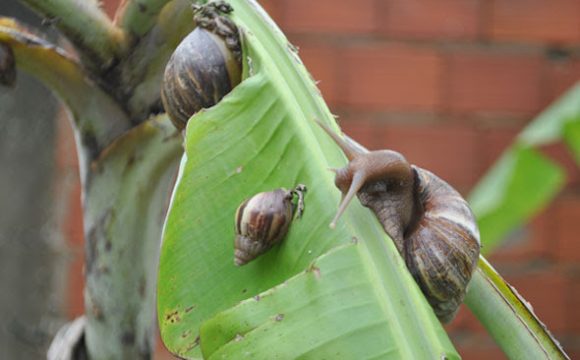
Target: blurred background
column 448, row 83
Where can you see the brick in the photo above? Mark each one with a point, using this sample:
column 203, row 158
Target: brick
column 72, row 231
column 566, row 244
column 361, row 130
column 573, row 307
column 448, row 150
column 465, row 323
column 544, row 21
column 476, row 346
column 329, row 16
column 427, row 19
column 546, row 292
column 560, row 76
column 75, row 284
column 274, row 9
column 322, row 62
column 110, row 7
column 494, row 142
column 394, row 77
column 480, row 352
column 161, row 352
column 73, row 219
column 494, row 82
column 65, row 152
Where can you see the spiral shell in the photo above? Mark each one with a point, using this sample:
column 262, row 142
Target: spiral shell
column 263, row 221
column 204, row 67
column 442, row 249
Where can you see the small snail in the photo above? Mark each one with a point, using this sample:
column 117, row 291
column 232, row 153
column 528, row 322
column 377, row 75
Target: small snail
column 205, row 66
column 431, row 224
column 263, row 221
column 7, row 66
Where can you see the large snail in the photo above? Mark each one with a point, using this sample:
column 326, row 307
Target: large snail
column 263, row 221
column 205, row 66
column 431, row 224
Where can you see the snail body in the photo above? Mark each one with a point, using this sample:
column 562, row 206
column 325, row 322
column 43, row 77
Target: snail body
column 432, row 226
column 263, row 221
column 204, row 67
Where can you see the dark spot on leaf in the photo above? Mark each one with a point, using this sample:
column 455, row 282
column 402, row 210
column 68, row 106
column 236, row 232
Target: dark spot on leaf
column 185, row 334
column 142, row 287
column 96, row 240
column 244, row 291
column 103, row 270
column 96, row 168
column 315, row 270
column 173, row 317
column 142, row 7
column 257, row 297
column 188, row 309
column 279, row 317
column 131, row 160
column 91, row 254
column 97, row 312
column 89, row 140
column 108, row 245
column 128, row 338
column 354, row 240
column 192, row 345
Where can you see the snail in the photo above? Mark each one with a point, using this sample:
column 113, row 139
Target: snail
column 7, row 66
column 205, row 66
column 431, row 225
column 263, row 221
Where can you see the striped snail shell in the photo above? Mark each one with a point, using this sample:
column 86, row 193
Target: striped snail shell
column 204, row 67
column 7, row 66
column 263, row 221
column 431, row 224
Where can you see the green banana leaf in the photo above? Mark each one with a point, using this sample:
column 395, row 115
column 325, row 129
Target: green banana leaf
column 572, row 137
column 322, row 293
column 523, row 181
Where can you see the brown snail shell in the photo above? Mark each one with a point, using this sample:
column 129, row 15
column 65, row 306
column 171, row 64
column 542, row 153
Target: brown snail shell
column 204, row 67
column 431, row 224
column 7, row 66
column 263, row 221
column 443, row 248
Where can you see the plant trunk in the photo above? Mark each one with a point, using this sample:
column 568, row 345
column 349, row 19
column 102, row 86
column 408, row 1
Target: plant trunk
column 125, row 198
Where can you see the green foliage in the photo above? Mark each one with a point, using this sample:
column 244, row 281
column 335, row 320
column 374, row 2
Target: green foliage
column 572, row 137
column 509, row 318
column 523, row 181
column 260, row 137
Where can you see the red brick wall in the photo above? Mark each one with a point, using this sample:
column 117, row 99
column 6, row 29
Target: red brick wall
column 449, row 83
